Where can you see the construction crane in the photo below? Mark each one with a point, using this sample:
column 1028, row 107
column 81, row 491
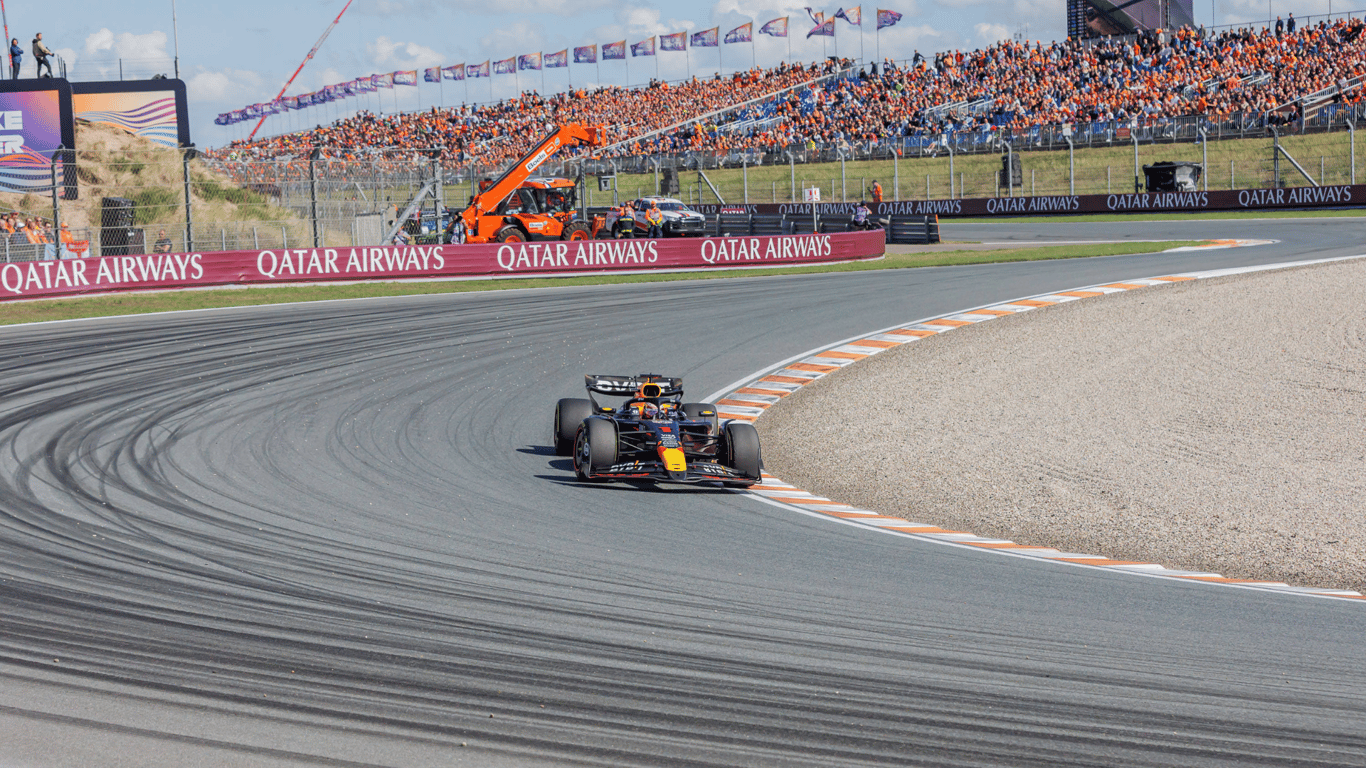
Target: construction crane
column 307, row 58
column 517, row 208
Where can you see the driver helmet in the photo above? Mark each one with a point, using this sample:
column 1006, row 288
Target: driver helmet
column 644, row 410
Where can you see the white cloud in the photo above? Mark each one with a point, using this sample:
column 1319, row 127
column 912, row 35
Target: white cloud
column 126, row 45
column 991, row 33
column 520, row 8
column 237, row 86
column 385, row 52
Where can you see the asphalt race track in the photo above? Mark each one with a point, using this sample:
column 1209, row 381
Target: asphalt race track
column 336, row 534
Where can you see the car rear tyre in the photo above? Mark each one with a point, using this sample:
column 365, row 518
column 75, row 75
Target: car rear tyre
column 740, row 450
column 703, row 412
column 510, row 234
column 595, row 447
column 569, row 414
column 577, row 231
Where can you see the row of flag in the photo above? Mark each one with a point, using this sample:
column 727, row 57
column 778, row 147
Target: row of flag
column 585, row 54
column 826, row 27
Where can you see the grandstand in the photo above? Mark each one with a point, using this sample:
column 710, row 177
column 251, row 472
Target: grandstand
column 1245, row 78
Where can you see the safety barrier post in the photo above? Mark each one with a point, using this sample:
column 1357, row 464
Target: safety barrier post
column 744, row 170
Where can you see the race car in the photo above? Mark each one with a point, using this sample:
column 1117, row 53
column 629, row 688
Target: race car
column 679, row 219
column 653, row 435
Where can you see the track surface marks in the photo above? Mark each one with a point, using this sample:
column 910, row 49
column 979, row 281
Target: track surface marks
column 335, row 534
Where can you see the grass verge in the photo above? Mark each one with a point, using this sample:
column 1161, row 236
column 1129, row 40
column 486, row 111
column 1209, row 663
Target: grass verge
column 172, row 301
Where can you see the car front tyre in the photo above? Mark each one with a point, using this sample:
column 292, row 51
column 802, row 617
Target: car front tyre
column 740, row 450
column 595, row 448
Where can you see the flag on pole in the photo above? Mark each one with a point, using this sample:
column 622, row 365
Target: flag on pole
column 290, row 102
column 408, row 77
column 817, row 17
column 432, row 74
column 477, row 70
column 706, row 38
column 852, row 15
column 505, row 67
column 887, row 18
column 615, row 50
column 823, row 29
column 775, row 28
column 456, row 72
column 643, row 48
column 586, row 54
column 383, row 81
column 557, row 59
column 678, row 41
column 741, row 34
column 529, row 61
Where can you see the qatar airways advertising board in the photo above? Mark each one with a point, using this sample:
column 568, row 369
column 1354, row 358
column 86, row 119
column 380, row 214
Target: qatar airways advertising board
column 41, row 279
column 1334, row 196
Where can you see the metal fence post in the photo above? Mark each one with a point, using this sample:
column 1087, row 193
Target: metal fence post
column 1010, row 170
column 185, row 153
column 1134, row 135
column 844, row 181
column 313, row 191
column 1204, row 154
column 949, row 144
column 57, row 158
column 1275, row 158
column 744, row 171
column 792, row 169
column 896, row 173
column 1352, row 141
column 1071, row 167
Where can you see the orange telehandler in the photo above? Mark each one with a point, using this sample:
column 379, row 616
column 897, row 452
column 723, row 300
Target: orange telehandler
column 519, row 207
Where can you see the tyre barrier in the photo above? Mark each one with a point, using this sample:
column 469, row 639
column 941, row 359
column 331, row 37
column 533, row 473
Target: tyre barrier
column 106, row 274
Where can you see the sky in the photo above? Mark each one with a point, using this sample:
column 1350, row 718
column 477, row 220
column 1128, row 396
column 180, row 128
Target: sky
column 242, row 52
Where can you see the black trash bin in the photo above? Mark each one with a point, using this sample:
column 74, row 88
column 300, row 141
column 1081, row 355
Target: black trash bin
column 1168, row 176
column 116, row 225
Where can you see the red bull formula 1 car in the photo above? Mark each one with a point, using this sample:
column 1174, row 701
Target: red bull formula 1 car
column 654, row 435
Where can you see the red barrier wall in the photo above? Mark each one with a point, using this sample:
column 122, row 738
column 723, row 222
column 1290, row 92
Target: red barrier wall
column 39, row 279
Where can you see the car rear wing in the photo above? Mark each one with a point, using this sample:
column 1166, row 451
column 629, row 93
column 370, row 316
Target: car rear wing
column 625, row 386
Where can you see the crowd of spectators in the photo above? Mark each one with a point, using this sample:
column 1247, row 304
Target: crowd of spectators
column 1018, row 85
column 498, row 133
column 29, row 237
